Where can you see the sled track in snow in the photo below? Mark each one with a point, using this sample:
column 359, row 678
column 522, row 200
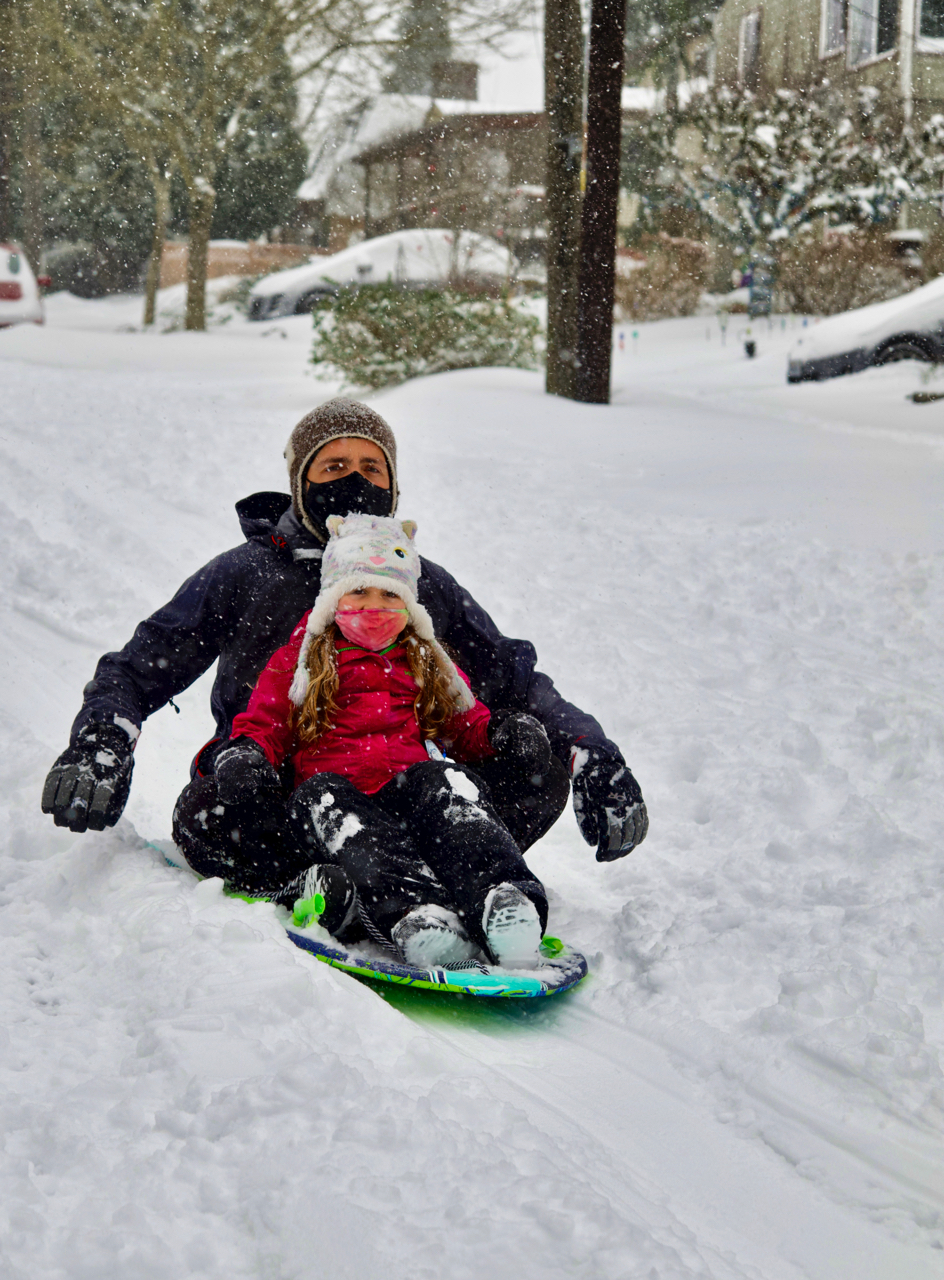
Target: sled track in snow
column 647, row 1137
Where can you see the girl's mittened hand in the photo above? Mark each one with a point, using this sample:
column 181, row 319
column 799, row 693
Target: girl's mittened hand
column 516, row 736
column 242, row 770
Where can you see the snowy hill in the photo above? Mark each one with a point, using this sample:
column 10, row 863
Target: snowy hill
column 743, row 580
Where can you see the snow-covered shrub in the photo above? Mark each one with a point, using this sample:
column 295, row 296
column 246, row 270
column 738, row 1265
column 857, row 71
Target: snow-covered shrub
column 817, row 277
column 760, row 169
column 238, row 293
column 670, row 284
column 380, row 334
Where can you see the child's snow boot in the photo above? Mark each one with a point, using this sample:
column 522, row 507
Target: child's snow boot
column 323, row 893
column 432, row 937
column 512, row 927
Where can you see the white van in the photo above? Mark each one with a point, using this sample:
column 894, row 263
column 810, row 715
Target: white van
column 19, row 291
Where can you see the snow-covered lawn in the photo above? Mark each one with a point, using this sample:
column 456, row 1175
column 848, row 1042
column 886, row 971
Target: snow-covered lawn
column 743, row 580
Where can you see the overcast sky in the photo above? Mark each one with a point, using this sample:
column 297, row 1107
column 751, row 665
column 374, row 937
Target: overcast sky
column 516, row 80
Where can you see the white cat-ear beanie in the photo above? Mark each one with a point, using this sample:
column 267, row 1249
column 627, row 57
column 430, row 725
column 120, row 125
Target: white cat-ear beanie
column 372, row 551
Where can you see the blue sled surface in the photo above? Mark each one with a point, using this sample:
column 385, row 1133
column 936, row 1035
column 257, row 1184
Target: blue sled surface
column 560, row 969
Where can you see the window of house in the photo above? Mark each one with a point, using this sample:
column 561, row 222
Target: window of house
column 932, row 19
column 873, row 29
column 833, row 31
column 749, row 50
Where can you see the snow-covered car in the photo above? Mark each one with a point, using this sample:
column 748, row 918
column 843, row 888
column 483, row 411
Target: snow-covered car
column 408, row 258
column 19, row 291
column 910, row 327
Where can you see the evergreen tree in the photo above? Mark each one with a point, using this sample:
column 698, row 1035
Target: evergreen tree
column 422, row 40
column 258, row 177
column 657, row 35
column 97, row 206
column 98, row 196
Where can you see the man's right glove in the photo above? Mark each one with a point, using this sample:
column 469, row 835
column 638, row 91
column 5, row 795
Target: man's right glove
column 611, row 812
column 243, row 773
column 87, row 788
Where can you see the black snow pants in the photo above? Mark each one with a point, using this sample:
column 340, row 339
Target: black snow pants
column 430, row 835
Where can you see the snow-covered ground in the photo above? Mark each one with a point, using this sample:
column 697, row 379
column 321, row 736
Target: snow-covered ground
column 743, row 580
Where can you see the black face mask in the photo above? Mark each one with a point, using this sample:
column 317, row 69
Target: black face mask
column 345, row 497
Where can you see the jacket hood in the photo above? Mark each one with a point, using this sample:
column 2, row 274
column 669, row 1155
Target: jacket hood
column 268, row 517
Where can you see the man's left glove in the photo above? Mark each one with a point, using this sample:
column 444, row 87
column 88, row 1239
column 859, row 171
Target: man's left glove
column 611, row 812
column 87, row 788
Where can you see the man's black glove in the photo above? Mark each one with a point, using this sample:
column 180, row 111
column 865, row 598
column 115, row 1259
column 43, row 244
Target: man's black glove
column 87, row 788
column 516, row 736
column 611, row 812
column 243, row 773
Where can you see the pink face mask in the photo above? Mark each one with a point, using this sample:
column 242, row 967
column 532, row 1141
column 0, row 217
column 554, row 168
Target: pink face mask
column 371, row 628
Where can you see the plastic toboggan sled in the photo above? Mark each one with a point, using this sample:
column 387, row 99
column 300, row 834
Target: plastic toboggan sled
column 559, row 967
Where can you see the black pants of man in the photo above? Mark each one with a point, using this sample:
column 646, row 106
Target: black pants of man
column 418, row 839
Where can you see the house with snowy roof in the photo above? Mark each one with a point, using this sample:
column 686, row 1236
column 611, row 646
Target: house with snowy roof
column 396, row 161
column 895, row 46
column 466, row 166
column 330, row 201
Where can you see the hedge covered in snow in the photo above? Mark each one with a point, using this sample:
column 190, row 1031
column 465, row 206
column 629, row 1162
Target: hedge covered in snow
column 381, row 334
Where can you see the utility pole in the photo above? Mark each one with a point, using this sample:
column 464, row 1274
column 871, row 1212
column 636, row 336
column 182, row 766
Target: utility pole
column 563, row 105
column 906, row 44
column 6, row 120
column 600, row 202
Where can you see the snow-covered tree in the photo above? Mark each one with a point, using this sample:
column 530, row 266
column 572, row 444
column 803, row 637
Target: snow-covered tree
column 760, row 170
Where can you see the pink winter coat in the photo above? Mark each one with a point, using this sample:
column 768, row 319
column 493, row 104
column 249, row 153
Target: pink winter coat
column 375, row 734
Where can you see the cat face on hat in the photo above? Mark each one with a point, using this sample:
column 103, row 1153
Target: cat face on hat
column 376, row 547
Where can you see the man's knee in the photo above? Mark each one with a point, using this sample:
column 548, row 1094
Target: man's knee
column 194, row 810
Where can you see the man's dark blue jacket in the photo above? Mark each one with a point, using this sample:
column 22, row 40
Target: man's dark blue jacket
column 243, row 606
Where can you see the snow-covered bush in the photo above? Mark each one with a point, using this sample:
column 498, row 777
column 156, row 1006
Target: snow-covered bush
column 670, row 284
column 381, row 334
column 817, row 277
column 761, row 169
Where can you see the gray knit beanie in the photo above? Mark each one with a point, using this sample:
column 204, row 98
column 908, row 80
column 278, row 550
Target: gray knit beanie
column 333, row 421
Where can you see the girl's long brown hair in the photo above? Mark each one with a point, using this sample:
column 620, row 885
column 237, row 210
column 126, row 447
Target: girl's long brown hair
column 434, row 704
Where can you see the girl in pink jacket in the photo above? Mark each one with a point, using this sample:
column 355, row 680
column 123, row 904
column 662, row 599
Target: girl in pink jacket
column 362, row 703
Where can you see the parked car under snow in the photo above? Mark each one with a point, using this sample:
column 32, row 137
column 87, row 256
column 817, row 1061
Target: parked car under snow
column 409, row 258
column 910, row 327
column 19, row 290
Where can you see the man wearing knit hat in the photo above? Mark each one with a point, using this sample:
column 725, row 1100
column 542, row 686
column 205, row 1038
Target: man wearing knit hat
column 243, row 605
